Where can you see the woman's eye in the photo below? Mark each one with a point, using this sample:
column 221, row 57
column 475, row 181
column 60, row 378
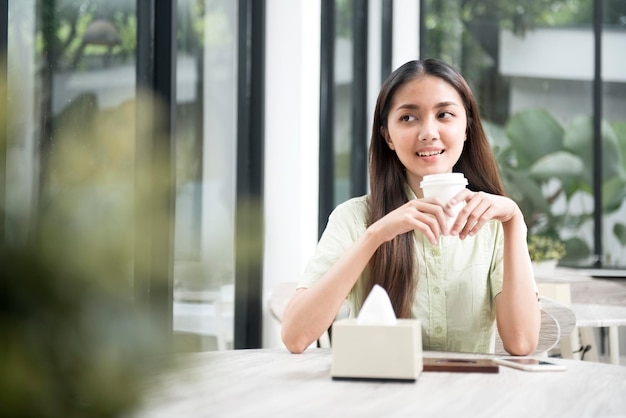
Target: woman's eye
column 407, row 118
column 445, row 115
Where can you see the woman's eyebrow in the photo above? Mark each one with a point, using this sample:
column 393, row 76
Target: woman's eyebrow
column 446, row 103
column 409, row 106
column 412, row 106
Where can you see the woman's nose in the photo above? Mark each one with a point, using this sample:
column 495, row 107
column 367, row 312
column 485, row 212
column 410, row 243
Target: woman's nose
column 428, row 130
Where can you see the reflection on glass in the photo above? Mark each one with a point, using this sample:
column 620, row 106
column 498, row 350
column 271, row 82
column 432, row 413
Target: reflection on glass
column 205, row 186
column 71, row 64
column 72, row 84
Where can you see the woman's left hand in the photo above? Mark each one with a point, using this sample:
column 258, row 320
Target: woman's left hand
column 480, row 208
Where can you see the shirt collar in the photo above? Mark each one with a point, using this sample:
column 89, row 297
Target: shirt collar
column 410, row 194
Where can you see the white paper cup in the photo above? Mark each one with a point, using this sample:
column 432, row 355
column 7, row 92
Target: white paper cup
column 445, row 186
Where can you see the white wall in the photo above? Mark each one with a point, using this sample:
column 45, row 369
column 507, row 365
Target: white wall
column 374, row 35
column 405, row 32
column 291, row 145
column 563, row 54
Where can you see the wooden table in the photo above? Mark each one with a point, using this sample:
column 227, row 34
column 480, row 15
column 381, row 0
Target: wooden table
column 275, row 383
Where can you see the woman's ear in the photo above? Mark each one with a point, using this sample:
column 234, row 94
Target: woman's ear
column 385, row 134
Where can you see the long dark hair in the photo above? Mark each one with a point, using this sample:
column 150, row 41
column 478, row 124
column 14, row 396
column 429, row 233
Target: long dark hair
column 391, row 265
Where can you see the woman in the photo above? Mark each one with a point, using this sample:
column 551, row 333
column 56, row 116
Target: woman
column 458, row 280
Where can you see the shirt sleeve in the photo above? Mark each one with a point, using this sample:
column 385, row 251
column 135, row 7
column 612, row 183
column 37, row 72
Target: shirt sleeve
column 345, row 225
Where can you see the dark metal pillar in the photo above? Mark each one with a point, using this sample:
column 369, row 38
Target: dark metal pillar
column 358, row 157
column 597, row 133
column 156, row 73
column 250, row 157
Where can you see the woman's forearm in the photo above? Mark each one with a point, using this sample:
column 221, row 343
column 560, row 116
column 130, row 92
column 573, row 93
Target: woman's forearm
column 311, row 311
column 517, row 310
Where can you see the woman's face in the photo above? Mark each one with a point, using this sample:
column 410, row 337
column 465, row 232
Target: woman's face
column 426, row 127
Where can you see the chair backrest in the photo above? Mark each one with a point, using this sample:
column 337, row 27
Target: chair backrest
column 279, row 298
column 563, row 314
column 557, row 321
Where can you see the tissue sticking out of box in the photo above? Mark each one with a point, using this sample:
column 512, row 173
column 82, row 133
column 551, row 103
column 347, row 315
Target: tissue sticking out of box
column 377, row 309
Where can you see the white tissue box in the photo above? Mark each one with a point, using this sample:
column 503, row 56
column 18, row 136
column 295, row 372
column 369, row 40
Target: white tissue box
column 377, row 352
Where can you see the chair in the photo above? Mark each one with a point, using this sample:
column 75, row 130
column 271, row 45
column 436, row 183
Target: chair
column 557, row 322
column 205, row 313
column 281, row 295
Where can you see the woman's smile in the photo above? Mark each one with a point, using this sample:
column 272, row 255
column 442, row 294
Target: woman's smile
column 429, row 154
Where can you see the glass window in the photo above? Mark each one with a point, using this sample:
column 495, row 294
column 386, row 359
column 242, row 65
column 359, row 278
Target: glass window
column 343, row 98
column 22, row 163
column 205, row 176
column 70, row 157
column 614, row 133
column 535, row 91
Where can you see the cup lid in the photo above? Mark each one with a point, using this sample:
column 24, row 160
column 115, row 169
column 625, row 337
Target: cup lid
column 444, row 178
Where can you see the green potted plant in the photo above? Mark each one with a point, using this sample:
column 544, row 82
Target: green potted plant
column 546, row 168
column 545, row 253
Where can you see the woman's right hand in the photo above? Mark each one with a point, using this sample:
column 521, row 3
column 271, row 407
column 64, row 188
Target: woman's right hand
column 427, row 215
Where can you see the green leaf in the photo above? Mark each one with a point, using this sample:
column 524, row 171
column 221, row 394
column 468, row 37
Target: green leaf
column 620, row 132
column 619, row 230
column 496, row 135
column 571, row 221
column 526, row 191
column 579, row 140
column 613, row 194
column 572, row 185
column 611, row 153
column 576, row 249
column 523, row 188
column 534, row 133
column 557, row 164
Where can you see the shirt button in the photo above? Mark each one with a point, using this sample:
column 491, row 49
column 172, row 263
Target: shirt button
column 434, row 252
column 438, row 329
column 436, row 290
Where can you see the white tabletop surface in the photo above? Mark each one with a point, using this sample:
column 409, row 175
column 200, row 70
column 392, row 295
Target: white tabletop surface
column 275, row 383
column 597, row 315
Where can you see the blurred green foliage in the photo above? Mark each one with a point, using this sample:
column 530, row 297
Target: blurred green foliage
column 73, row 341
column 71, row 346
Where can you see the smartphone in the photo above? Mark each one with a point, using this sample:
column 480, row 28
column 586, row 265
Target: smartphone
column 529, row 364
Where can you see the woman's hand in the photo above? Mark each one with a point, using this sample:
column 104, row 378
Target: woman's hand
column 428, row 215
column 481, row 207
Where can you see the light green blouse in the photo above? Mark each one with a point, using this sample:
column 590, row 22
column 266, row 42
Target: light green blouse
column 457, row 280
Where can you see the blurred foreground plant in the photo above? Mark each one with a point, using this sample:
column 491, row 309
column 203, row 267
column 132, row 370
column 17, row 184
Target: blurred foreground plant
column 73, row 342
